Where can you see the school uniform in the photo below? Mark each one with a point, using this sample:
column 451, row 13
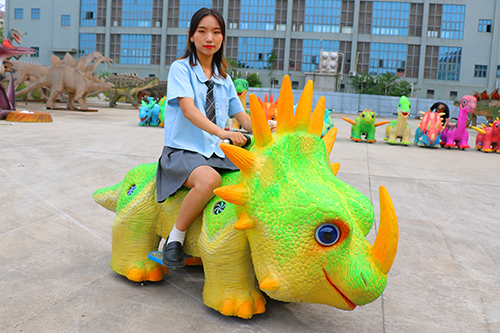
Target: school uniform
column 185, row 145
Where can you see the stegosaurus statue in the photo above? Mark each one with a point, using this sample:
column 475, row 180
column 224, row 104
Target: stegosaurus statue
column 284, row 224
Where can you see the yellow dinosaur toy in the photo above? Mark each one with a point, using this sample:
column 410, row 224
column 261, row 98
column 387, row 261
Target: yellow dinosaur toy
column 284, row 225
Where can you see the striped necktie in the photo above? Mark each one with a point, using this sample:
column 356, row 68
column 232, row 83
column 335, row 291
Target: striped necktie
column 210, row 102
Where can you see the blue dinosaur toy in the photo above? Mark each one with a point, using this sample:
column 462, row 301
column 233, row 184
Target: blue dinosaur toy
column 149, row 113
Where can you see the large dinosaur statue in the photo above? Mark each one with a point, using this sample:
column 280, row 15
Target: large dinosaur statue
column 72, row 77
column 129, row 85
column 399, row 128
column 284, row 225
column 456, row 134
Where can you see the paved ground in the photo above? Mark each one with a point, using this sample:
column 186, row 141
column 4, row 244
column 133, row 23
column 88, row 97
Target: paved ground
column 55, row 242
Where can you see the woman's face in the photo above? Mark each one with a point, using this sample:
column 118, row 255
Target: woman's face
column 441, row 108
column 208, row 36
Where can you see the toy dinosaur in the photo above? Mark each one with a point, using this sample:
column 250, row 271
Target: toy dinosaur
column 68, row 76
column 364, row 125
column 270, row 108
column 241, row 86
column 428, row 133
column 129, row 85
column 284, row 224
column 456, row 134
column 149, row 113
column 399, row 128
column 328, row 124
column 487, row 106
column 488, row 138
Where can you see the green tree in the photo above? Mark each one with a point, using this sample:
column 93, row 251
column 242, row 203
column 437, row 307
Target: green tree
column 387, row 84
column 253, row 80
column 271, row 65
column 232, row 69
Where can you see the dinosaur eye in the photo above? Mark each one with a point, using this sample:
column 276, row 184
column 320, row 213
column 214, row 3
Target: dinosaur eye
column 363, row 115
column 327, row 234
column 464, row 102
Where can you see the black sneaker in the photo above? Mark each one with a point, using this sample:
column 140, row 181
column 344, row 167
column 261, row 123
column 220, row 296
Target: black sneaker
column 173, row 256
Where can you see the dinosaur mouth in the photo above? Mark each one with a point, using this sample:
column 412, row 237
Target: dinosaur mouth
column 351, row 305
column 239, row 94
column 405, row 114
column 142, row 119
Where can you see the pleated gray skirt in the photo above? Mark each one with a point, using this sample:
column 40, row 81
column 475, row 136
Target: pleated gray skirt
column 175, row 166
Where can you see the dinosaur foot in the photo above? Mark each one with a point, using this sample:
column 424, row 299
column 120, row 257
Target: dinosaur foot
column 145, row 270
column 464, row 147
column 392, row 142
column 404, row 143
column 356, row 139
column 487, row 150
column 449, row 145
column 371, row 141
column 243, row 306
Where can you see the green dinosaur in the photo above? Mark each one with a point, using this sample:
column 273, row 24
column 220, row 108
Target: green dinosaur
column 399, row 128
column 364, row 125
column 284, row 224
column 129, row 85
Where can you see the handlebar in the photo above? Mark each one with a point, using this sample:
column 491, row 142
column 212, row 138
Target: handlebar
column 247, row 143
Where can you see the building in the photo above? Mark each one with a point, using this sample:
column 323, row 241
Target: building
column 446, row 48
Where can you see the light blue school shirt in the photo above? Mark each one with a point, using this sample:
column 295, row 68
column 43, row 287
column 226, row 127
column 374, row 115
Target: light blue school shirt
column 185, row 80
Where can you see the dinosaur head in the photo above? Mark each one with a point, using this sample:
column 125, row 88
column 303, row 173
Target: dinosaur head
column 306, row 228
column 15, row 34
column 468, row 103
column 404, row 107
column 269, row 107
column 241, row 86
column 431, row 127
column 368, row 116
column 7, row 50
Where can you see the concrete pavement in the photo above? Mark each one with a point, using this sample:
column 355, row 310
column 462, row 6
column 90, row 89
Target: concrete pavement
column 55, row 241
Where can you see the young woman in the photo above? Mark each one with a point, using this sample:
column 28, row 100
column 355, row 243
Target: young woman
column 191, row 155
column 442, row 107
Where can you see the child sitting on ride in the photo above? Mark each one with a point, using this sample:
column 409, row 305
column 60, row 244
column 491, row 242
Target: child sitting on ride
column 200, row 97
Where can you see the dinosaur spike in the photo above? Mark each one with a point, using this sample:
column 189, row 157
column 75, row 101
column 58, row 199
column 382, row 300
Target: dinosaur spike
column 380, row 123
column 303, row 112
column 335, row 168
column 262, row 132
column 437, row 124
column 429, row 125
column 244, row 222
column 386, row 243
column 350, row 121
column 483, row 132
column 422, row 112
column 329, row 139
column 317, row 118
column 270, row 283
column 285, row 116
column 235, row 194
column 242, row 158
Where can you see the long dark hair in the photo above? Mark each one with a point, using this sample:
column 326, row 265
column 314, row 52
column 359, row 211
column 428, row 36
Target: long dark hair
column 218, row 60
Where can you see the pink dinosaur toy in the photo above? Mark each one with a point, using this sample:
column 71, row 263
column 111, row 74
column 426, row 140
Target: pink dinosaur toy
column 457, row 135
column 488, row 138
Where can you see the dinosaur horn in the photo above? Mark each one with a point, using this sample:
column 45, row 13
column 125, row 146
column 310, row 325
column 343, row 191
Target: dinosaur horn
column 429, row 125
column 284, row 117
column 483, row 132
column 242, row 158
column 235, row 194
column 329, row 140
column 386, row 244
column 303, row 112
column 317, row 118
column 422, row 112
column 335, row 168
column 262, row 132
column 437, row 124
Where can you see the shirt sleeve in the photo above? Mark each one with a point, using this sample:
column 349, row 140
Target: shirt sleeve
column 235, row 105
column 179, row 83
column 434, row 106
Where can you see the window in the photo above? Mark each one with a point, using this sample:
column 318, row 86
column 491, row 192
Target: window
column 66, row 20
column 35, row 13
column 88, row 13
column 135, row 49
column 498, row 71
column 387, row 57
column 18, row 13
column 257, row 15
column 484, row 26
column 137, row 13
column 322, row 16
column 390, row 18
column 37, row 52
column 452, row 22
column 253, row 52
column 87, row 44
column 480, row 70
column 430, row 93
column 449, row 63
column 453, row 94
column 188, row 8
column 311, row 51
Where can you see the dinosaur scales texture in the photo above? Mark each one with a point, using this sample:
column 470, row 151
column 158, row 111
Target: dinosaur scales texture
column 284, row 224
column 129, row 85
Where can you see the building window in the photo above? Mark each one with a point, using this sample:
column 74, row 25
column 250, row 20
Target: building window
column 257, row 15
column 253, row 52
column 498, row 71
column 37, row 52
column 66, row 20
column 484, row 26
column 347, row 17
column 453, row 94
column 480, row 70
column 88, row 13
column 18, row 13
column 390, row 18
column 188, row 7
column 135, row 49
column 434, row 23
column 386, row 57
column 416, row 18
column 452, row 22
column 35, row 13
column 449, row 63
column 412, row 61
column 137, row 13
column 311, row 51
column 322, row 16
column 430, row 93
column 296, row 54
column 87, row 44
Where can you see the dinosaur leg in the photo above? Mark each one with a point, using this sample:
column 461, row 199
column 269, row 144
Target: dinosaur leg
column 370, row 136
column 405, row 140
column 356, row 134
column 81, row 97
column 51, row 101
column 131, row 98
column 113, row 97
column 70, row 104
column 464, row 141
column 134, row 233
column 230, row 283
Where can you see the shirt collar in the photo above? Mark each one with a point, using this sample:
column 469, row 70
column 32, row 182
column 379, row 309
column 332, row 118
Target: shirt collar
column 202, row 77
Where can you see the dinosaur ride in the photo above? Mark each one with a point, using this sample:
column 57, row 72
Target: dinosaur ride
column 456, row 135
column 364, row 125
column 284, row 225
column 399, row 128
column 428, row 133
column 488, row 137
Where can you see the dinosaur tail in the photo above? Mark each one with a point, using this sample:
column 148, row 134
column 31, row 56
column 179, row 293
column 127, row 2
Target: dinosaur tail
column 108, row 196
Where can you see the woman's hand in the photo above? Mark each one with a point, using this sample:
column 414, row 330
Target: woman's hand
column 237, row 138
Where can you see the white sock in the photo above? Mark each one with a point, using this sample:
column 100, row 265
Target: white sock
column 176, row 236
